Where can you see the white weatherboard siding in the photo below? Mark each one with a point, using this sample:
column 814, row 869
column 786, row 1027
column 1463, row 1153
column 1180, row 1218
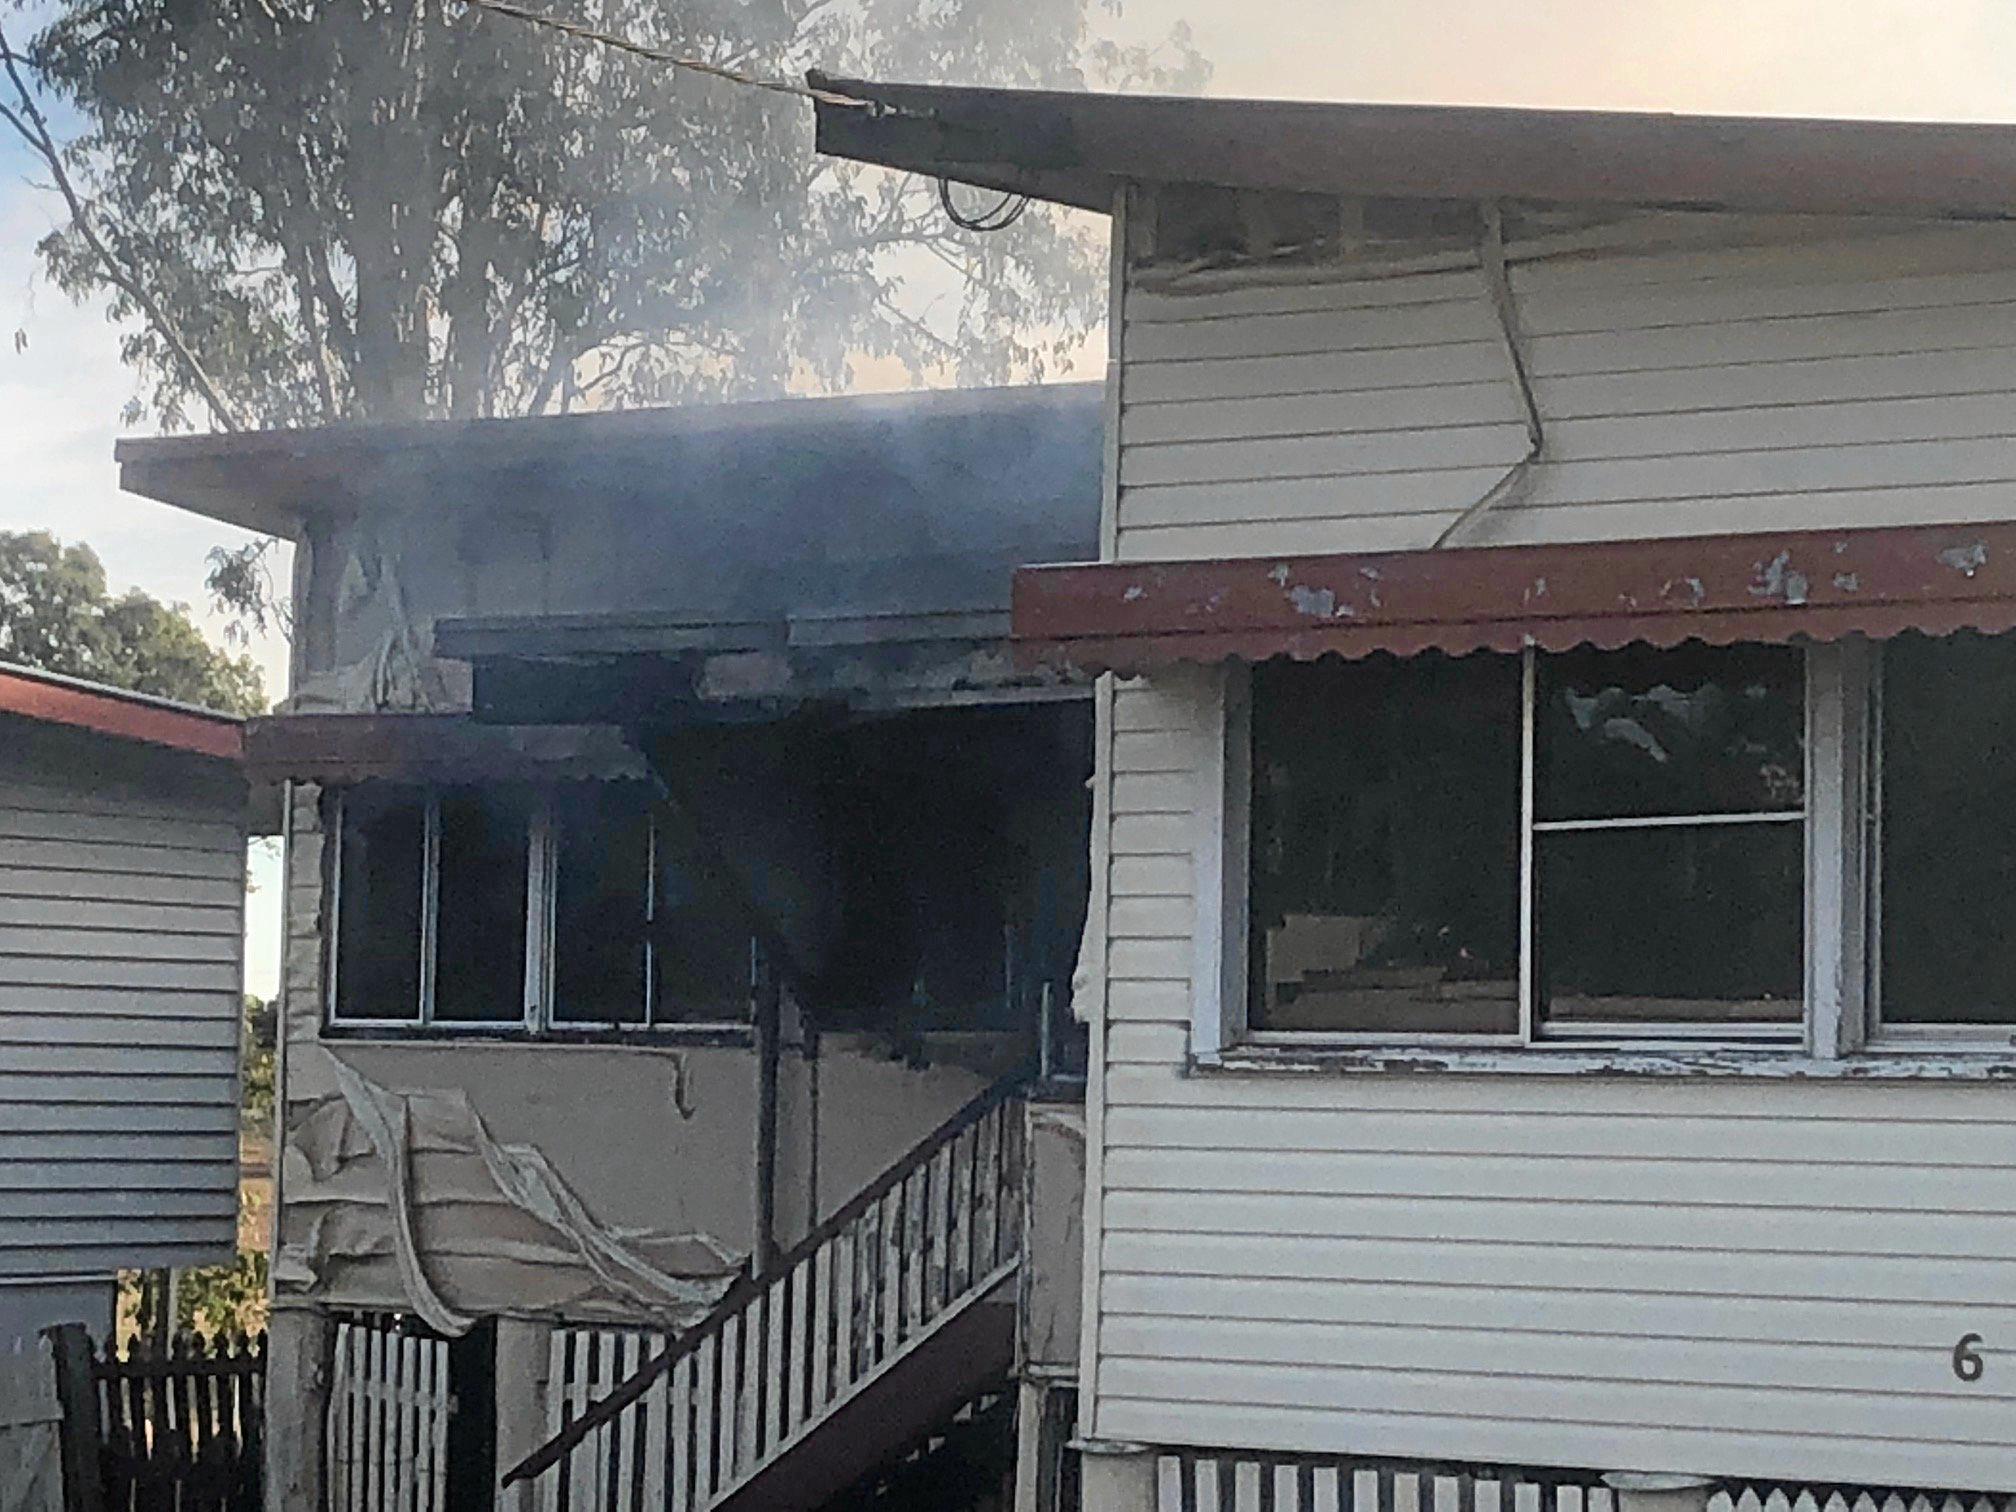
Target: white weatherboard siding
column 1741, row 1277
column 1853, row 381
column 1761, row 1278
column 122, row 886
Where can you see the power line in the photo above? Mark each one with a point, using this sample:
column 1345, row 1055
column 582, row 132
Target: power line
column 583, row 33
column 1005, row 211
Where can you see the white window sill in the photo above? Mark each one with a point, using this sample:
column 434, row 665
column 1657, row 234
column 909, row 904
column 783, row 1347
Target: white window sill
column 1780, row 1062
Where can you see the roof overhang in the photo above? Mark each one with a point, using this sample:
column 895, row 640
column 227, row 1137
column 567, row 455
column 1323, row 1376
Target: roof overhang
column 1078, row 149
column 48, row 698
column 1135, row 617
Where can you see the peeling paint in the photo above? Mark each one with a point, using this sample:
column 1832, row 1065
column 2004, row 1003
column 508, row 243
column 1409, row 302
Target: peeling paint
column 1696, row 590
column 1965, row 560
column 1848, row 582
column 1134, row 591
column 1320, row 603
column 1280, row 575
column 1778, row 579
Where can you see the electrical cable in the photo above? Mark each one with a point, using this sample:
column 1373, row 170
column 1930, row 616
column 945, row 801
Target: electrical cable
column 1007, row 210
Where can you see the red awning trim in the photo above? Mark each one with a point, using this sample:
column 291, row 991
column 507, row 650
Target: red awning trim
column 48, row 698
column 1816, row 585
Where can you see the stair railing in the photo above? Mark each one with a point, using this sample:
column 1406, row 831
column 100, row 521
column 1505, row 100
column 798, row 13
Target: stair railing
column 933, row 1233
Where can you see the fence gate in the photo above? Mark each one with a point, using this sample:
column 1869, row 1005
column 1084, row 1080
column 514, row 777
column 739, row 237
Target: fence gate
column 387, row 1425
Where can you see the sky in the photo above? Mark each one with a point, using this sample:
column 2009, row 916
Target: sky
column 61, row 394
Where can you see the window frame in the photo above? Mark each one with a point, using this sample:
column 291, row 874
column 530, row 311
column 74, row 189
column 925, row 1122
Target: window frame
column 1878, row 1036
column 537, row 1019
column 1837, row 830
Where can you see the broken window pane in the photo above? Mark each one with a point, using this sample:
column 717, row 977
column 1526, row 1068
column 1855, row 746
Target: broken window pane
column 1682, row 925
column 1949, row 830
column 378, row 903
column 1385, row 845
column 479, row 951
column 1694, row 730
column 702, row 948
column 601, row 904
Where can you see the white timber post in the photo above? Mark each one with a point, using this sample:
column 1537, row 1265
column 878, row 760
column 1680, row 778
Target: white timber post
column 298, row 1357
column 524, row 1363
column 1642, row 1492
column 1116, row 1477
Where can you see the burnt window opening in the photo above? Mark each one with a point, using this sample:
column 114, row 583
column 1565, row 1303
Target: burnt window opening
column 381, row 882
column 644, row 934
column 922, row 872
column 959, row 865
column 431, row 906
column 1946, row 958
column 480, row 894
column 1644, row 810
column 703, row 953
column 601, row 905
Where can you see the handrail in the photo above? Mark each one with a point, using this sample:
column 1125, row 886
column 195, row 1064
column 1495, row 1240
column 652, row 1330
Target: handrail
column 746, row 1287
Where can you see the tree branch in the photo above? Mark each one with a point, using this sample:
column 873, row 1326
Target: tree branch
column 27, row 120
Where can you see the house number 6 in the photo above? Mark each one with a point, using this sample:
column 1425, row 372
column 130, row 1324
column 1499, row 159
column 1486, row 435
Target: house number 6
column 1967, row 1362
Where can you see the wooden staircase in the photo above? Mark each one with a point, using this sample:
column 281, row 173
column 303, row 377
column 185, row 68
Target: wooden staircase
column 887, row 1320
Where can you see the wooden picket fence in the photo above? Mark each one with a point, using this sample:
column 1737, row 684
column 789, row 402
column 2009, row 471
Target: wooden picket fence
column 387, row 1424
column 174, row 1430
column 1200, row 1481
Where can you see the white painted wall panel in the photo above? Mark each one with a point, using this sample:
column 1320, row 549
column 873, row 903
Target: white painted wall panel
column 1738, row 1277
column 1855, row 381
column 122, row 880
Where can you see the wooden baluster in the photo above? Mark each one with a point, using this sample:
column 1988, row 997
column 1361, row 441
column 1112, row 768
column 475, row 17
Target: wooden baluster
column 679, row 1439
column 943, row 1222
column 425, row 1387
column 657, row 1429
column 890, row 1282
column 706, row 1389
column 831, row 1262
column 405, row 1406
column 749, row 1423
column 726, row 1408
column 780, row 1327
column 1014, row 1135
column 627, row 1430
column 797, row 1366
column 912, row 1215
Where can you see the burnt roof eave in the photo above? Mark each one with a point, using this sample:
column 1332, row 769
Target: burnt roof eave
column 1010, row 139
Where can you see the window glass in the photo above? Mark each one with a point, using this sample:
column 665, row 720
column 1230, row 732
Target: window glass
column 479, row 952
column 1669, row 853
column 378, row 903
column 1694, row 730
column 1948, row 951
column 601, row 904
column 702, row 951
column 1384, row 886
column 1678, row 925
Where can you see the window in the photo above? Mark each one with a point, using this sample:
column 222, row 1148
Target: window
column 508, row 908
column 1946, row 962
column 426, row 884
column 1605, row 845
column 1669, row 855
column 1385, row 851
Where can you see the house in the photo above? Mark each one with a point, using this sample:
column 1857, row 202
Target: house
column 1550, row 981
column 683, row 887
column 122, row 898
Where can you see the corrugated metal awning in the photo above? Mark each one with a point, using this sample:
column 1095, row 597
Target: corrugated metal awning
column 1133, row 617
